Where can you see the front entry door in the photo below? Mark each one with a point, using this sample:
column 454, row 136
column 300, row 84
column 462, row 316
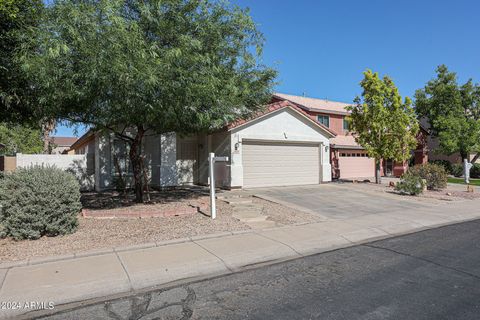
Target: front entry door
column 388, row 168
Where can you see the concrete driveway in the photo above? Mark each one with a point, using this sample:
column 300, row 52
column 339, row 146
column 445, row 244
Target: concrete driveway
column 337, row 201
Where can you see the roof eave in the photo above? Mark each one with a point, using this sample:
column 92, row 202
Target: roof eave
column 82, row 139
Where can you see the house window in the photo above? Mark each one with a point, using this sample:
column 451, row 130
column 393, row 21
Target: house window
column 325, row 120
column 120, row 159
column 346, row 125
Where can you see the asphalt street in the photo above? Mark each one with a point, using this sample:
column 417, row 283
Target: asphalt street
column 433, row 274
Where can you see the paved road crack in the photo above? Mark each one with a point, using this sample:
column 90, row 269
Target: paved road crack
column 424, row 260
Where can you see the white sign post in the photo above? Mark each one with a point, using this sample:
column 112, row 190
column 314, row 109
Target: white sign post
column 211, row 166
column 466, row 170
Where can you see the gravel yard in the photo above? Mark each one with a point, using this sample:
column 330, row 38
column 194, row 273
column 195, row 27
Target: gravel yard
column 94, row 233
column 107, row 233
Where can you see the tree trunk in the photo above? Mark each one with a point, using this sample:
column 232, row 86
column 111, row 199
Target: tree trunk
column 47, row 128
column 136, row 162
column 46, row 142
column 123, row 183
column 378, row 177
column 145, row 179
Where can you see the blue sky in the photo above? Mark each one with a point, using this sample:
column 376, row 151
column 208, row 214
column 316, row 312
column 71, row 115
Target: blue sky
column 321, row 48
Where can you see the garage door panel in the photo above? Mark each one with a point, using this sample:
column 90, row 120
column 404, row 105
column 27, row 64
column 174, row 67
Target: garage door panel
column 356, row 167
column 280, row 164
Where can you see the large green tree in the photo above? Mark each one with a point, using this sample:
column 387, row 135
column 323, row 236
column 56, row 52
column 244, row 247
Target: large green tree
column 453, row 112
column 381, row 122
column 22, row 139
column 132, row 67
column 17, row 19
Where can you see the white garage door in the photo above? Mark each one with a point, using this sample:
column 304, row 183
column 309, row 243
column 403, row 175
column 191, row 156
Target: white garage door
column 268, row 164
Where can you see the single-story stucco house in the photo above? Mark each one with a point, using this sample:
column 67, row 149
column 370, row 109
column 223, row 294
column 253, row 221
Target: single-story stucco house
column 281, row 146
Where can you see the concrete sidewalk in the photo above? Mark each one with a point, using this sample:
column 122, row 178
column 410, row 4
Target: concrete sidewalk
column 115, row 272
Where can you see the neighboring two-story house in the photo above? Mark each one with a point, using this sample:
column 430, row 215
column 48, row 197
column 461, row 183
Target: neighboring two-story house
column 348, row 159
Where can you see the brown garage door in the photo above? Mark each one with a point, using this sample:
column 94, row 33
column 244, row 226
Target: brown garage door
column 268, row 164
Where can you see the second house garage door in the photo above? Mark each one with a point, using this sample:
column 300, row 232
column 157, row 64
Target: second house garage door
column 268, row 164
column 355, row 165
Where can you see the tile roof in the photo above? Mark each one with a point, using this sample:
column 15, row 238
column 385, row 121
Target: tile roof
column 63, row 141
column 86, row 137
column 277, row 106
column 314, row 104
column 344, row 141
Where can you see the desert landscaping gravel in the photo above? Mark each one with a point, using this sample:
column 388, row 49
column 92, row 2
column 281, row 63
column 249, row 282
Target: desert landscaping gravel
column 94, row 233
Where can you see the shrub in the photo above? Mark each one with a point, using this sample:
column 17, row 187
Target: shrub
column 434, row 174
column 457, row 169
column 39, row 201
column 410, row 184
column 447, row 165
column 475, row 171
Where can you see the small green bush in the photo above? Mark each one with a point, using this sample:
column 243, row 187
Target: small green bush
column 434, row 174
column 410, row 184
column 39, row 201
column 475, row 171
column 457, row 169
column 447, row 165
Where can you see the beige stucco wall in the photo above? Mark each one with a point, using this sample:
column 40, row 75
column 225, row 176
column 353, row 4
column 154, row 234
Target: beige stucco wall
column 9, row 163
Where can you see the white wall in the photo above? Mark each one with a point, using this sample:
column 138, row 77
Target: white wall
column 103, row 169
column 282, row 125
column 76, row 164
column 168, row 160
column 61, row 161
